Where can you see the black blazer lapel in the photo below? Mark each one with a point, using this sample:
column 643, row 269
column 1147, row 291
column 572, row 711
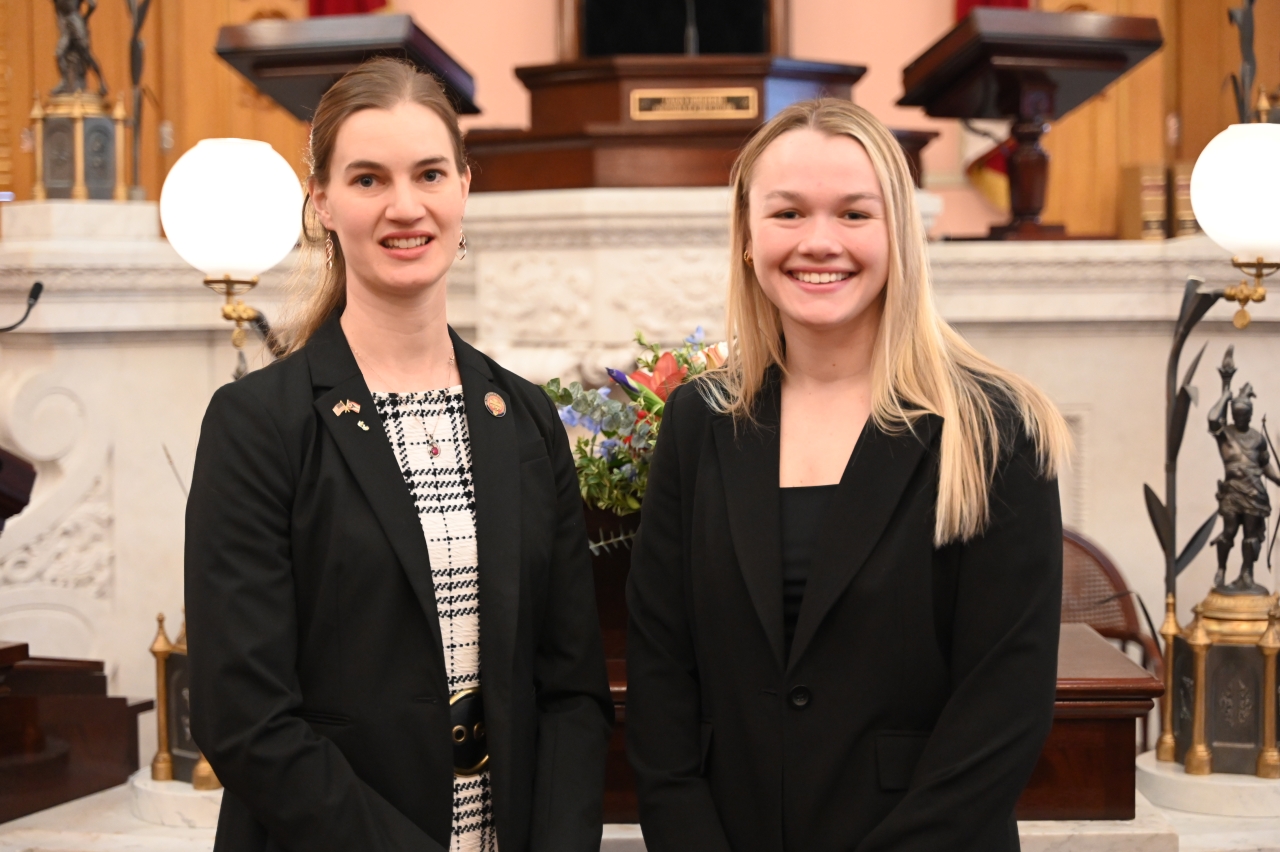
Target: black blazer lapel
column 749, row 467
column 495, row 463
column 870, row 489
column 370, row 458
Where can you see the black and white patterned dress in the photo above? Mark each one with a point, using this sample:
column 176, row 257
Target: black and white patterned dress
column 444, row 491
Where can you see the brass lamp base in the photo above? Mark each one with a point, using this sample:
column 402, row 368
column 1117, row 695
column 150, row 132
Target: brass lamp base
column 1242, row 621
column 234, row 310
column 1244, row 292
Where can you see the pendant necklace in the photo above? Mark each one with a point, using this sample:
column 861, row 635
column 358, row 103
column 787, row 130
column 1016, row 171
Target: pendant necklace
column 434, row 448
column 432, row 445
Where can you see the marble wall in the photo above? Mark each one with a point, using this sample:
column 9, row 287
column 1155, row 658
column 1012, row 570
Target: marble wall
column 115, row 365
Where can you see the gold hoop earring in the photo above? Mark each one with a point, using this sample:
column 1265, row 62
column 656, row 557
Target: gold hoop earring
column 746, row 257
column 328, row 250
column 462, row 247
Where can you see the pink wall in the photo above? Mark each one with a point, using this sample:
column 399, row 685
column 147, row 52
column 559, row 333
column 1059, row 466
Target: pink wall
column 493, row 37
column 885, row 36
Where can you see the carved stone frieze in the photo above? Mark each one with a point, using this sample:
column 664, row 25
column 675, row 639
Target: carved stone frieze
column 154, row 280
column 77, row 553
column 561, row 234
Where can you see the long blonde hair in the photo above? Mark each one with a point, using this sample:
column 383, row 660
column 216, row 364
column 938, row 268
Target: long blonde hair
column 318, row 285
column 921, row 364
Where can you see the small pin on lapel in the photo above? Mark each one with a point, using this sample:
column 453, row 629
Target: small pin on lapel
column 360, row 423
column 496, row 405
column 344, row 406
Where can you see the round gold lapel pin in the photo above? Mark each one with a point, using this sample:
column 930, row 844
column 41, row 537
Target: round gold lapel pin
column 497, row 405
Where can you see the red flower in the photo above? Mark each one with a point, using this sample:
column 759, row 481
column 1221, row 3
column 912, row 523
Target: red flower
column 667, row 376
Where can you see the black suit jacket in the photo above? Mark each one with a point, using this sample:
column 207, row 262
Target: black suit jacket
column 920, row 684
column 318, row 683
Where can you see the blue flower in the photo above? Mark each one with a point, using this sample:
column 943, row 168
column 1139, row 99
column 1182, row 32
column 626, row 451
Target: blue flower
column 590, row 425
column 629, row 471
column 608, row 447
column 697, row 337
column 568, row 416
column 604, row 391
column 622, row 380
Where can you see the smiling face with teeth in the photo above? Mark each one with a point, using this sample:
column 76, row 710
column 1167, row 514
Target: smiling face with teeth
column 818, row 234
column 395, row 201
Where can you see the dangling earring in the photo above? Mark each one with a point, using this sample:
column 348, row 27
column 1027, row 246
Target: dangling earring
column 746, row 256
column 462, row 247
column 328, row 250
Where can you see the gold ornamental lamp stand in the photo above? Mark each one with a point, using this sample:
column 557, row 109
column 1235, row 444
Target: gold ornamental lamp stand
column 1235, row 192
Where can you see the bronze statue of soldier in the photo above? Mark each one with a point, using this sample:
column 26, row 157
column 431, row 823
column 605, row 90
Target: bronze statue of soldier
column 75, row 59
column 1242, row 493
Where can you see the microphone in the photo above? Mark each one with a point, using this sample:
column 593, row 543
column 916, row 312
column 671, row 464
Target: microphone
column 32, row 297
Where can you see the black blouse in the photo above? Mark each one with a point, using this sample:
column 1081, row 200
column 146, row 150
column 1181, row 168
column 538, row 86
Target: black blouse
column 802, row 510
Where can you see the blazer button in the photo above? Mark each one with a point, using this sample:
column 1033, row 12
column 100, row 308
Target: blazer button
column 800, row 696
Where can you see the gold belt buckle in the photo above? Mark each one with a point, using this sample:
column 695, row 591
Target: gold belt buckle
column 470, row 739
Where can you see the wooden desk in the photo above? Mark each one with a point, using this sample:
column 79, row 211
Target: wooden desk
column 1086, row 770
column 61, row 735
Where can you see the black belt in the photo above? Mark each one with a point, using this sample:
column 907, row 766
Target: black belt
column 470, row 740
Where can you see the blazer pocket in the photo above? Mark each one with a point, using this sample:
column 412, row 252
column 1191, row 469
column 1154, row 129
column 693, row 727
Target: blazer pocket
column 705, row 741
column 328, row 720
column 897, row 753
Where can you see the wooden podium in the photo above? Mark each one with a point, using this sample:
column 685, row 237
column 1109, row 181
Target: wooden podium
column 660, row 120
column 1031, row 67
column 295, row 62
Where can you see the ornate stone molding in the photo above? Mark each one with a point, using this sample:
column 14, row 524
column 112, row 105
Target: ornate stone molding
column 77, row 553
column 579, row 234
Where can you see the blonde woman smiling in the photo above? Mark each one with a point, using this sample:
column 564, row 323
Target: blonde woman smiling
column 845, row 594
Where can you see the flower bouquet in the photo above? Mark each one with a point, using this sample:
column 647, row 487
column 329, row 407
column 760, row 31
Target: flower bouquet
column 613, row 461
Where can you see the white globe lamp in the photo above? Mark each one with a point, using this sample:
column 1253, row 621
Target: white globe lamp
column 1235, row 193
column 232, row 208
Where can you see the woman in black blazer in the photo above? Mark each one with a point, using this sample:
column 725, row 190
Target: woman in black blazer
column 393, row 631
column 844, row 598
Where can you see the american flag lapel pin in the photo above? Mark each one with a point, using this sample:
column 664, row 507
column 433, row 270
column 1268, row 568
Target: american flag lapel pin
column 344, row 406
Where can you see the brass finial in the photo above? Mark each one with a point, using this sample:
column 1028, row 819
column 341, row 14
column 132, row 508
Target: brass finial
column 161, row 646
